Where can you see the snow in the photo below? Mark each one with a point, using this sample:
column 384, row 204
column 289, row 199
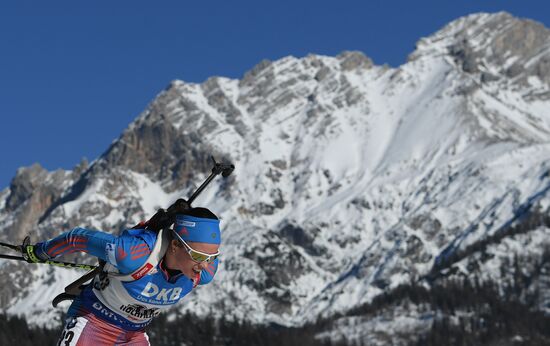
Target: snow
column 4, row 194
column 427, row 155
column 73, row 206
column 151, row 195
column 342, row 156
column 39, row 296
column 377, row 330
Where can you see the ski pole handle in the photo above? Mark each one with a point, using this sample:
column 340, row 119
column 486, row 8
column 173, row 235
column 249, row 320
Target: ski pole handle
column 225, row 169
column 164, row 218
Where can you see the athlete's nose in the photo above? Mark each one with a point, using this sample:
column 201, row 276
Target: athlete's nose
column 200, row 266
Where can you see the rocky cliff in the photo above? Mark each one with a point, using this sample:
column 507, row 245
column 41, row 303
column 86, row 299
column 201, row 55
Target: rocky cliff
column 351, row 178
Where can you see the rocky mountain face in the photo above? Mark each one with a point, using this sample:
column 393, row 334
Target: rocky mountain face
column 351, row 179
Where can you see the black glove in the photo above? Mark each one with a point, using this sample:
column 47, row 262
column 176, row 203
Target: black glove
column 165, row 218
column 179, row 207
column 157, row 222
column 29, row 253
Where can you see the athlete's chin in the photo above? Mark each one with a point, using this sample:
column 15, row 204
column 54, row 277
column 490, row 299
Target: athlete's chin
column 190, row 273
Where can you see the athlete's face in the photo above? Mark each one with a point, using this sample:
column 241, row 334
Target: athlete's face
column 178, row 258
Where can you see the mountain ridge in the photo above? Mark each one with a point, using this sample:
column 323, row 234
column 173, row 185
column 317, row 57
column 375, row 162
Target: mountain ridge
column 334, row 156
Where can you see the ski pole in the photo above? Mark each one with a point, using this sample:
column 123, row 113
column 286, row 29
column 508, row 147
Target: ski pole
column 53, row 263
column 16, row 258
column 50, row 262
column 10, row 246
column 224, row 168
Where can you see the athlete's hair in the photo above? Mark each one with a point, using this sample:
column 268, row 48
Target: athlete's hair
column 200, row 212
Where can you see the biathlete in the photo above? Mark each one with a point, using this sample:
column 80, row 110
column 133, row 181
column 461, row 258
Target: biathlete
column 145, row 272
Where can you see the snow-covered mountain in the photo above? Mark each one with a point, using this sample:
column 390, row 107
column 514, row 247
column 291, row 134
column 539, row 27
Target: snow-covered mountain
column 351, row 178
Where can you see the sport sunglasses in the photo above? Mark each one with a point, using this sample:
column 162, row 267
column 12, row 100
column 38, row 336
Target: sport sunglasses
column 198, row 256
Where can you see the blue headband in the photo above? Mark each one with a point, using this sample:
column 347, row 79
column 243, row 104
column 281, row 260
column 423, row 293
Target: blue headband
column 198, row 229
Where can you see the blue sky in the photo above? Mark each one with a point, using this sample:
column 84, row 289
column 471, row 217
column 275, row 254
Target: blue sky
column 74, row 74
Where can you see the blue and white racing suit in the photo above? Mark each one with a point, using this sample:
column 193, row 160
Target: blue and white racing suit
column 127, row 299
